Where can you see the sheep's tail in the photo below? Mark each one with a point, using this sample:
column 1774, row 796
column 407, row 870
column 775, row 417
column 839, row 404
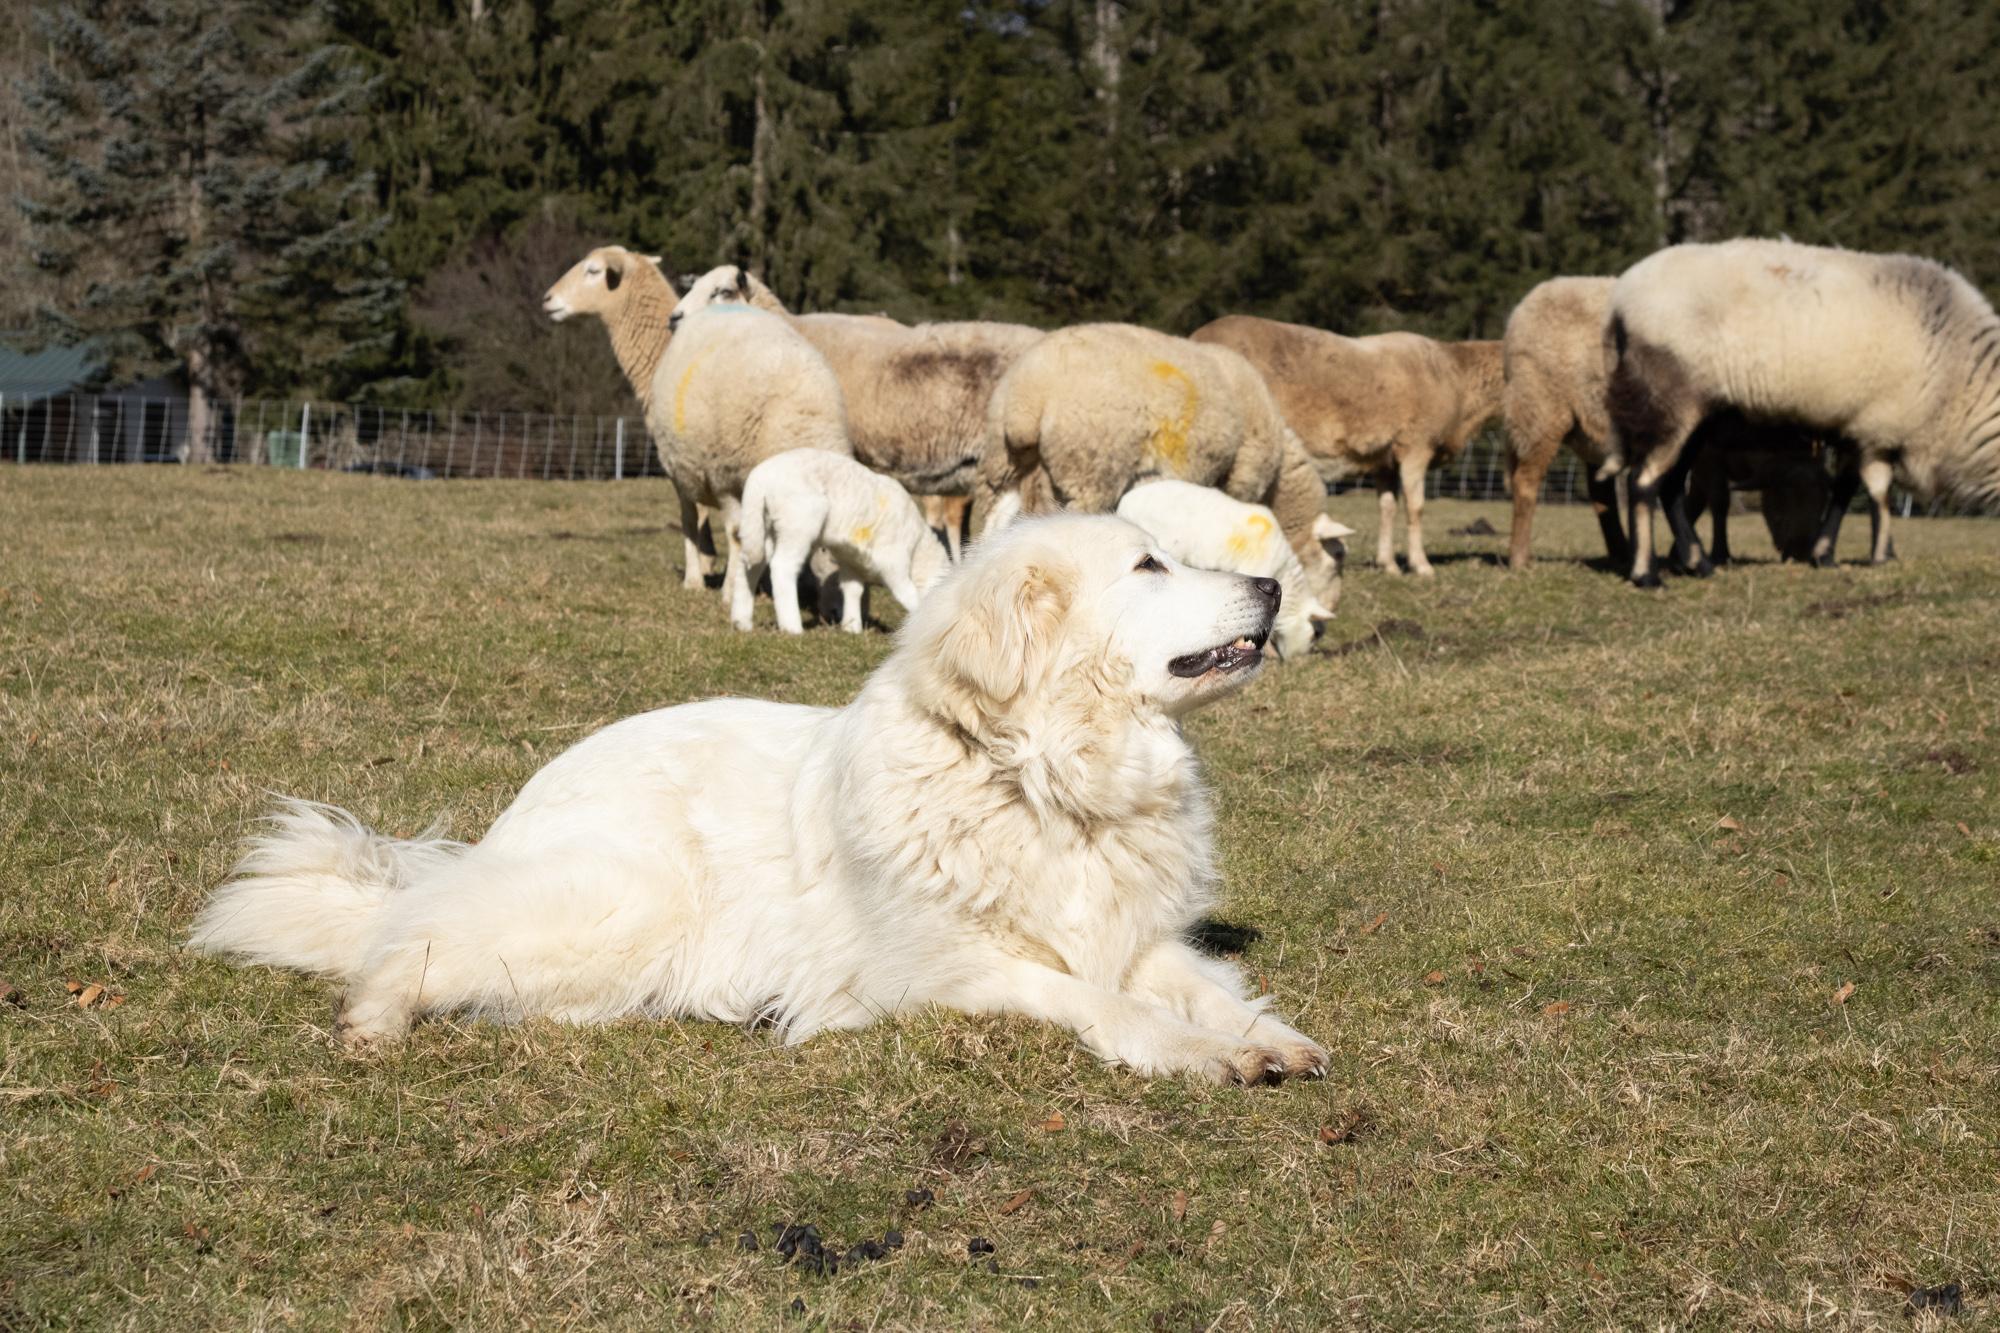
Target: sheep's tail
column 306, row 890
column 753, row 532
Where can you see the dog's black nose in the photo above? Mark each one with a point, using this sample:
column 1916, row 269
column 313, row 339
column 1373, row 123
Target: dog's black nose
column 1267, row 589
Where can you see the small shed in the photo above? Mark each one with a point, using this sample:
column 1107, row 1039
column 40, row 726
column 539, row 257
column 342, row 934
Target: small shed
column 54, row 410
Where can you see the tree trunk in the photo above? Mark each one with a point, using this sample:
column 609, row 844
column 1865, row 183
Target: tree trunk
column 760, row 186
column 1662, row 128
column 200, row 445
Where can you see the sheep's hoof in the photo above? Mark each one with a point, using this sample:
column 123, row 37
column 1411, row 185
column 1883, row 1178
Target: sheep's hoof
column 1649, row 579
column 1702, row 569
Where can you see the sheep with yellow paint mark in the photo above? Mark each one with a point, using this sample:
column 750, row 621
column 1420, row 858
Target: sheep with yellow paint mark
column 1200, row 526
column 1089, row 412
column 724, row 387
column 808, row 499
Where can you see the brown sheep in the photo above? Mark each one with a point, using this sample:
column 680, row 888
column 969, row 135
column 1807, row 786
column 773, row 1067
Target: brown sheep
column 1389, row 405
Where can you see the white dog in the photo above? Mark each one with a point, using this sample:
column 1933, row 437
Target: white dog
column 1209, row 530
column 807, row 499
column 1005, row 820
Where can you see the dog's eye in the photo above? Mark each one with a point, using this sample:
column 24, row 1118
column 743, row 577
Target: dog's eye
column 1150, row 565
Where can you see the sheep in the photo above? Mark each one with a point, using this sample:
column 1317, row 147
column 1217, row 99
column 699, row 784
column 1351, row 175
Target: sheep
column 1391, row 404
column 1088, row 412
column 1555, row 396
column 729, row 386
column 1201, row 526
column 1555, row 381
column 808, row 498
column 916, row 396
column 1896, row 354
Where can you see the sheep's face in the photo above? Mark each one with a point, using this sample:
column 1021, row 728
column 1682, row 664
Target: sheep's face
column 727, row 283
column 595, row 285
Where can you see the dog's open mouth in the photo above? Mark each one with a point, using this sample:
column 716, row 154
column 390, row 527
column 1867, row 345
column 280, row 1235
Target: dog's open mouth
column 1229, row 657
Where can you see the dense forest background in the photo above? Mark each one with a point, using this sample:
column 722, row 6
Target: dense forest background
column 1353, row 164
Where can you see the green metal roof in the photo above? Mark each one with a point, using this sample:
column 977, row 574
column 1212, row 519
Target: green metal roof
column 52, row 370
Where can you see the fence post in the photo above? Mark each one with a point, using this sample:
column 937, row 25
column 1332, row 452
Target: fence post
column 478, row 420
column 618, row 454
column 305, row 433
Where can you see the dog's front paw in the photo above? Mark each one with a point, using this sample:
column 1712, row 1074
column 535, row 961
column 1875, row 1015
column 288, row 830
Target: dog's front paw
column 1247, row 1067
column 1303, row 1057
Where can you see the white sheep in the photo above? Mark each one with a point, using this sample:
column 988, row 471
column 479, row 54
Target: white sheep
column 808, row 499
column 730, row 387
column 916, row 394
column 1898, row 355
column 1202, row 527
column 1091, row 411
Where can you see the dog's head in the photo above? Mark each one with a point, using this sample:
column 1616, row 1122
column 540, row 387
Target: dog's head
column 1056, row 606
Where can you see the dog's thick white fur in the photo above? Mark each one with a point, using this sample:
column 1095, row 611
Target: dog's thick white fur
column 1005, row 820
column 1210, row 530
column 807, row 499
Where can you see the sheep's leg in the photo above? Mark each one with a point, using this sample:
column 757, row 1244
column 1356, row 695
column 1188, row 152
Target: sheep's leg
column 1717, row 500
column 691, row 570
column 787, row 558
column 1687, row 551
column 1524, row 478
column 1385, row 535
column 1413, row 466
column 1845, row 483
column 1604, row 499
column 902, row 587
column 735, row 578
column 853, row 608
column 1876, row 474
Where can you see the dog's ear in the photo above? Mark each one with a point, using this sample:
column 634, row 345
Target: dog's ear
column 994, row 634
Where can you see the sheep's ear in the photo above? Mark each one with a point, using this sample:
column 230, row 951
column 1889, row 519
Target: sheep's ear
column 655, row 260
column 1326, row 529
column 614, row 270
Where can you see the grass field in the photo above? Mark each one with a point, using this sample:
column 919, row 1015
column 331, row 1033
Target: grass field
column 1656, row 938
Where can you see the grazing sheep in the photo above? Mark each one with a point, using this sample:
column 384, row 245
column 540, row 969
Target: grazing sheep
column 1556, row 377
column 1556, row 385
column 809, row 498
column 729, row 387
column 1089, row 412
column 1787, row 466
column 1200, row 526
column 1898, row 355
column 916, row 396
column 1389, row 405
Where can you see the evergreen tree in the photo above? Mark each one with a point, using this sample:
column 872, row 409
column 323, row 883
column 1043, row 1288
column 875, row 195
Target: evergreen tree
column 197, row 145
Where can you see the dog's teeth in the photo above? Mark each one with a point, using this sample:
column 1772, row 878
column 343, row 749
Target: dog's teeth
column 1242, row 641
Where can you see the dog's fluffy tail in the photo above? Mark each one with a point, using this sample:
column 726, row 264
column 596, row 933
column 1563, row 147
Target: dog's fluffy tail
column 306, row 890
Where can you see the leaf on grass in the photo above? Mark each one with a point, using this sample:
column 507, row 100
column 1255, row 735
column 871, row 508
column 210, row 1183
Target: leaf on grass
column 1964, row 828
column 1054, row 1123
column 11, row 994
column 1017, row 1203
column 1179, row 1205
column 1842, row 995
column 1555, row 1008
column 1433, row 978
column 1349, row 1126
column 146, row 1173
column 1138, row 1248
column 1729, row 823
column 1373, row 926
column 72, row 986
column 89, row 995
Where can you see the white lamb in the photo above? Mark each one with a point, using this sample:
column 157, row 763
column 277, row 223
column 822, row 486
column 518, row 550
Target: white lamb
column 812, row 498
column 1201, row 526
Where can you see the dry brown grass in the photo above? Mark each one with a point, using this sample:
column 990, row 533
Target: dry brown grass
column 1568, row 877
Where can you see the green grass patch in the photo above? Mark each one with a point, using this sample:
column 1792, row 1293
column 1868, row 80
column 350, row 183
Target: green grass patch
column 1571, row 880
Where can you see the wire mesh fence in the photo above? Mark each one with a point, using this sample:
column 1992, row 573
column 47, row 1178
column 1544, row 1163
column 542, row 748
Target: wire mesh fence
column 81, row 428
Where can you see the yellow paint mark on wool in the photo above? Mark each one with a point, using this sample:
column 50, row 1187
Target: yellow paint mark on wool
column 681, row 393
column 1169, row 442
column 864, row 534
column 1251, row 538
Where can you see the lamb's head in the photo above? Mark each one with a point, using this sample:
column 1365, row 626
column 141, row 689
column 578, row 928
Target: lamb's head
column 597, row 284
column 730, row 283
column 1332, row 535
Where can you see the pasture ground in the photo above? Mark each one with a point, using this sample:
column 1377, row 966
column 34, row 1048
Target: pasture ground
column 1656, row 938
